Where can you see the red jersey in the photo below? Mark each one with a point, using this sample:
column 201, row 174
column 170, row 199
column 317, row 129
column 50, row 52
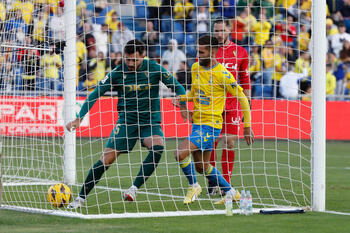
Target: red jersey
column 235, row 58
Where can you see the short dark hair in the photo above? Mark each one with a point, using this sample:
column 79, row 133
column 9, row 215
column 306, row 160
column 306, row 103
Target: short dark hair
column 134, row 46
column 222, row 20
column 209, row 41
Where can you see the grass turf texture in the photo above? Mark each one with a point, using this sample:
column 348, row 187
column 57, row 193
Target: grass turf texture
column 338, row 195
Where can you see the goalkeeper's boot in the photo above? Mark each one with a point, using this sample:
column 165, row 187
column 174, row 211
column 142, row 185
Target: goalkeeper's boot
column 212, row 189
column 77, row 203
column 235, row 195
column 192, row 193
column 130, row 194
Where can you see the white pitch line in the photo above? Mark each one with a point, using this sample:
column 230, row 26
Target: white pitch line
column 153, row 194
column 336, row 212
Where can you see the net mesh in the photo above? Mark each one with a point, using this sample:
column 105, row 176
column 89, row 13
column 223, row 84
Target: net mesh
column 276, row 36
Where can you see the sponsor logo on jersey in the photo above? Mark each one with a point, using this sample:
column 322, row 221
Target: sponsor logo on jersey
column 104, row 79
column 140, row 87
column 231, row 66
column 206, row 137
column 236, row 121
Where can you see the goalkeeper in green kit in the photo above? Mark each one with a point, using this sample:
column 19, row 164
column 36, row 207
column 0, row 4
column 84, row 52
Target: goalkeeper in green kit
column 137, row 82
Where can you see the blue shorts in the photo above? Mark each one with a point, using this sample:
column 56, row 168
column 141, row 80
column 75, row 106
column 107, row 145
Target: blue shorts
column 204, row 136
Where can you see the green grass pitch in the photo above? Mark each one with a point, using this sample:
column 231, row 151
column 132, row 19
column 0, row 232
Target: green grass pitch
column 169, row 179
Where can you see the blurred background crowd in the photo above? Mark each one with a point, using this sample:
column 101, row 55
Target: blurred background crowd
column 276, row 34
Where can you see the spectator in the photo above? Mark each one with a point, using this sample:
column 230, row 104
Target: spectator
column 7, row 76
column 57, row 27
column 100, row 33
column 151, row 39
column 183, row 75
column 303, row 38
column 26, row 8
column 115, row 59
column 268, row 65
column 2, row 14
column 331, row 28
column 289, row 31
column 345, row 57
column 153, row 9
column 40, row 30
column 302, row 64
column 81, row 16
column 81, row 53
column 183, row 13
column 338, row 39
column 262, row 30
column 89, row 39
column 202, row 20
column 330, row 80
column 15, row 27
column 345, row 14
column 121, row 37
column 50, row 64
column 345, row 53
column 339, row 70
column 238, row 31
column 289, row 87
column 292, row 55
column 228, row 8
column 248, row 19
column 173, row 56
column 30, row 59
column 112, row 21
column 255, row 62
column 280, row 68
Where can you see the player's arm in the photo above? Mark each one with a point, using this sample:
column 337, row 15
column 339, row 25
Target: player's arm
column 104, row 86
column 169, row 81
column 189, row 97
column 243, row 74
column 231, row 86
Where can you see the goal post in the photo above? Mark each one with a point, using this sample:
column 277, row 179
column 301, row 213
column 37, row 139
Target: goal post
column 284, row 169
column 318, row 151
column 70, row 75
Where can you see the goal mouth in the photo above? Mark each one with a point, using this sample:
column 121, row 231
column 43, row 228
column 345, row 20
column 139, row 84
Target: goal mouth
column 54, row 56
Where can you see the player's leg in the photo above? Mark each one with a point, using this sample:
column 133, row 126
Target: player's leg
column 94, row 175
column 232, row 121
column 183, row 156
column 202, row 161
column 152, row 138
column 117, row 143
column 228, row 155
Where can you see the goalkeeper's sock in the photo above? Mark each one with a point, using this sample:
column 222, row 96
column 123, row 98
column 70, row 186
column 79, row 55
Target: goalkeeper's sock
column 215, row 178
column 92, row 178
column 188, row 169
column 149, row 165
column 227, row 161
column 214, row 155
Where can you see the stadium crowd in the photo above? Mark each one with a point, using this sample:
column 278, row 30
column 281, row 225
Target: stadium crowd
column 276, row 34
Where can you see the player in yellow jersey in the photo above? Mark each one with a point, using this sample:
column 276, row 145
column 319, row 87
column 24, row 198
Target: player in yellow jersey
column 210, row 83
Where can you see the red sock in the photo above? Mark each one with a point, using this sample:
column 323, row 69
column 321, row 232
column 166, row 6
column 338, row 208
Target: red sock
column 227, row 160
column 214, row 155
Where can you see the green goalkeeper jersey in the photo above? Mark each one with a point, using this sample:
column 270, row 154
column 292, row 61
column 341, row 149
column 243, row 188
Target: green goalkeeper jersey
column 138, row 92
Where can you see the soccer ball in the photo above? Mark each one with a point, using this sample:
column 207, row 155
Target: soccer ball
column 59, row 195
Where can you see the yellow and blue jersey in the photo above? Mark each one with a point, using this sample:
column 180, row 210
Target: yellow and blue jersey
column 208, row 93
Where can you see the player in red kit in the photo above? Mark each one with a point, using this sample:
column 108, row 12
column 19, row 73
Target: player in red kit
column 235, row 58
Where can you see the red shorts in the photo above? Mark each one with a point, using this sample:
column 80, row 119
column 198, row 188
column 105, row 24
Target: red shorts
column 231, row 122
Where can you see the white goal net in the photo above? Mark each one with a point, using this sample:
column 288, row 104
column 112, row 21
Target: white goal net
column 34, row 80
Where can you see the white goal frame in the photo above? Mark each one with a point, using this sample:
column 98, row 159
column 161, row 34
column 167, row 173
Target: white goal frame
column 318, row 137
